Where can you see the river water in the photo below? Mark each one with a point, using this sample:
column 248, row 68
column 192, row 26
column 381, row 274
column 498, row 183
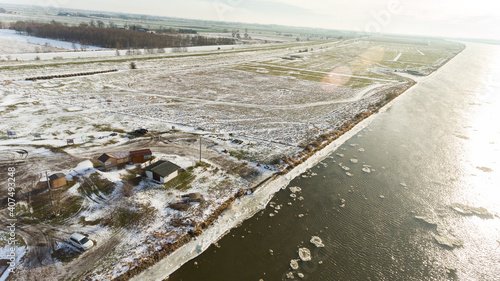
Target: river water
column 436, row 147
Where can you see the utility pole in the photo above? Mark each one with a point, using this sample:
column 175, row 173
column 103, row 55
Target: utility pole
column 200, row 149
column 50, row 195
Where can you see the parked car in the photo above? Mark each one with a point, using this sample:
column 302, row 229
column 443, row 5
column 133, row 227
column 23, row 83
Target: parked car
column 80, row 241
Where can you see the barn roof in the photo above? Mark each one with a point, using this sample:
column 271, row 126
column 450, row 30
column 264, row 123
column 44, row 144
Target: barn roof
column 163, row 168
column 103, row 158
column 56, row 176
column 119, row 155
column 141, row 152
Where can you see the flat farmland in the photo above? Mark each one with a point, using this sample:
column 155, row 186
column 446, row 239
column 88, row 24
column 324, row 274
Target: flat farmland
column 283, row 94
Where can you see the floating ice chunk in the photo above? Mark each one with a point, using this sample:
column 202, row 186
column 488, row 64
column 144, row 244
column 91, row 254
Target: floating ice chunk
column 271, row 252
column 367, row 166
column 320, row 262
column 450, row 269
column 304, row 254
column 346, row 168
column 468, row 210
column 313, row 174
column 289, row 203
column 361, row 149
column 294, row 264
column 289, row 275
column 317, row 242
column 448, row 241
column 271, row 214
column 354, row 161
column 340, row 155
column 354, row 144
column 301, row 198
column 428, row 220
column 382, row 197
column 301, row 215
column 342, row 202
column 349, row 174
column 300, row 275
column 295, row 189
column 403, row 184
column 485, row 169
column 293, row 195
column 366, row 170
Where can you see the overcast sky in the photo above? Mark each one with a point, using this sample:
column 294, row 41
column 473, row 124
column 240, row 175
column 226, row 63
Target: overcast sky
column 452, row 18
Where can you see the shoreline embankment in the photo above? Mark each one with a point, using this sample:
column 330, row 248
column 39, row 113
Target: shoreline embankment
column 240, row 206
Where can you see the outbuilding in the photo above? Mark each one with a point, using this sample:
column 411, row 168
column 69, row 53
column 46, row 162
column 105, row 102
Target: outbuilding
column 109, row 160
column 57, row 180
column 162, row 171
column 141, row 156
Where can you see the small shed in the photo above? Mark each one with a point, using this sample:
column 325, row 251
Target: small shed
column 192, row 197
column 141, row 156
column 162, row 171
column 57, row 180
column 109, row 160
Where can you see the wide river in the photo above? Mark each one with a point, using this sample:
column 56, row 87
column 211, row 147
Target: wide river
column 434, row 179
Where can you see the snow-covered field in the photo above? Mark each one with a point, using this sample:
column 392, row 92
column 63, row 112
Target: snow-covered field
column 272, row 99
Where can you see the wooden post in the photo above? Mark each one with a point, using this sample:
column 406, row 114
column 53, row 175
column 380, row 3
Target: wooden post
column 50, row 195
column 200, row 149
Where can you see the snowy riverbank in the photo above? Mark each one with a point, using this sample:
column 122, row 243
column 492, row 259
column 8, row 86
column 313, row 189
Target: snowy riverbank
column 245, row 207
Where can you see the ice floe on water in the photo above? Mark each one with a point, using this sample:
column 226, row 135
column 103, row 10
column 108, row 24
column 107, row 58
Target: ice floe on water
column 346, row 168
column 295, row 189
column 361, row 149
column 317, row 242
column 349, row 174
column 485, row 169
column 366, row 170
column 289, row 275
column 443, row 237
column 304, row 254
column 448, row 241
column 403, row 184
column 468, row 210
column 354, row 161
column 342, row 202
column 294, row 264
column 340, row 155
column 427, row 220
column 293, row 195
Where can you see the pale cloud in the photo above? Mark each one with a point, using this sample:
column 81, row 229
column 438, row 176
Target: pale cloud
column 464, row 18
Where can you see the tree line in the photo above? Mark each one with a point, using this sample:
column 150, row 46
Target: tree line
column 113, row 37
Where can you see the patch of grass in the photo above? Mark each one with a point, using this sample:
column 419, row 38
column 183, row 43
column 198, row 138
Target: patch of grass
column 72, row 206
column 182, row 181
column 129, row 216
column 95, row 184
column 65, row 254
column 242, row 155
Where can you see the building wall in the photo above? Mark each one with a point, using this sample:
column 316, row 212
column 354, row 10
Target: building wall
column 141, row 159
column 149, row 174
column 171, row 176
column 58, row 183
column 110, row 163
column 123, row 160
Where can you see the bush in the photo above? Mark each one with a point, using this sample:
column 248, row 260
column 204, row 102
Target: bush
column 132, row 65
